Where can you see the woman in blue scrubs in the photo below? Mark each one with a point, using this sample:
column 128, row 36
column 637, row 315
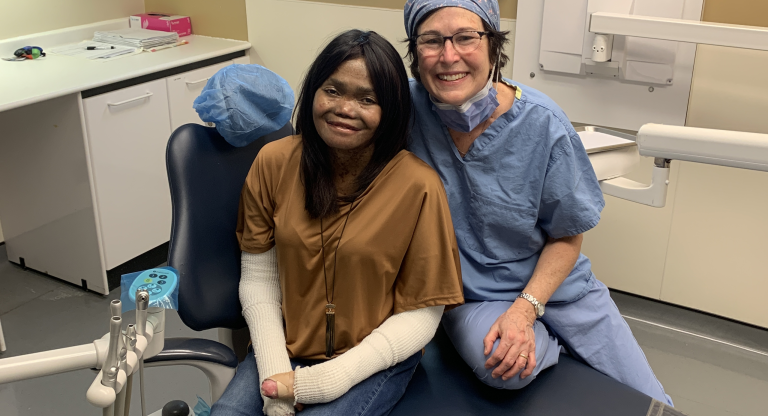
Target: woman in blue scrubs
column 522, row 192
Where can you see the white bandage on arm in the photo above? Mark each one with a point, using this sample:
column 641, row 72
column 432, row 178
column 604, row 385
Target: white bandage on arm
column 399, row 337
column 261, row 299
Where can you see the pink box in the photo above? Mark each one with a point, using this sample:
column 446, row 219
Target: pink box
column 167, row 23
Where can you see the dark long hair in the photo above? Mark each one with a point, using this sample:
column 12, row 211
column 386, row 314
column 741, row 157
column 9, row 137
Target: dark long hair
column 496, row 42
column 390, row 82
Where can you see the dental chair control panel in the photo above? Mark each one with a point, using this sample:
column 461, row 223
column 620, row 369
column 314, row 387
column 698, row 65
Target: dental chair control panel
column 158, row 283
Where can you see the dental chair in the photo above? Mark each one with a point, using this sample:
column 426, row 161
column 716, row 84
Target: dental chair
column 206, row 175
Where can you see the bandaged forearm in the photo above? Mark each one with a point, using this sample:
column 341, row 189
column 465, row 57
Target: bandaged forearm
column 399, row 337
column 261, row 299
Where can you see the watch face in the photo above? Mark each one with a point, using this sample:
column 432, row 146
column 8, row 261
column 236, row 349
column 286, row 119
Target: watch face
column 540, row 310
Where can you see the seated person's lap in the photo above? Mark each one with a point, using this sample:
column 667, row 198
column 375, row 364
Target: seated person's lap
column 376, row 395
column 468, row 324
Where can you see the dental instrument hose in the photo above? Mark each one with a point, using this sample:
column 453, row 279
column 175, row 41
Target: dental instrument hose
column 110, row 380
column 142, row 302
column 120, row 398
column 130, row 335
column 141, row 388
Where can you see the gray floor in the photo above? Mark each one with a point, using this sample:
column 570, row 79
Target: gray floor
column 710, row 366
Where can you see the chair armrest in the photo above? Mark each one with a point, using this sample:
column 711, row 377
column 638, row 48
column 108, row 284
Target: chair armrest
column 217, row 361
column 195, row 349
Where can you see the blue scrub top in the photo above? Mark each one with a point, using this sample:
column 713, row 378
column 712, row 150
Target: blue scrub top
column 525, row 178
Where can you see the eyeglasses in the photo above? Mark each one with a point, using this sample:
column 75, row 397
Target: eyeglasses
column 430, row 44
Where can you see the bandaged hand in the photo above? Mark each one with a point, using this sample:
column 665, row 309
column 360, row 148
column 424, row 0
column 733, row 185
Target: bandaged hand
column 277, row 407
column 280, row 386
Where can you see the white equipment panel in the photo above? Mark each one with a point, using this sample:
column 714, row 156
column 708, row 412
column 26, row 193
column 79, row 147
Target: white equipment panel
column 647, row 81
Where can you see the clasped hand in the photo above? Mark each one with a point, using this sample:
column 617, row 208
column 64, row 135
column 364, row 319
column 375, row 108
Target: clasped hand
column 280, row 386
column 514, row 330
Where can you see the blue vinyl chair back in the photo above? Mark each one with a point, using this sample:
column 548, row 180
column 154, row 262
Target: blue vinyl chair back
column 206, row 175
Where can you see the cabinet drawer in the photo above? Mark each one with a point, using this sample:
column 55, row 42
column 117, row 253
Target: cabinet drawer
column 128, row 130
column 182, row 91
column 244, row 60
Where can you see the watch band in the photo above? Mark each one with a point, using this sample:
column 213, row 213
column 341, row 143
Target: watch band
column 537, row 306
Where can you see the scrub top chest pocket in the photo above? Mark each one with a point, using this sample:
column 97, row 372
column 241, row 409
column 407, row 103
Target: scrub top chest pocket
column 502, row 232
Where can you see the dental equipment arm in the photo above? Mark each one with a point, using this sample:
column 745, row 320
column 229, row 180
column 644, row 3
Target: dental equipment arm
column 666, row 143
column 98, row 354
column 690, row 31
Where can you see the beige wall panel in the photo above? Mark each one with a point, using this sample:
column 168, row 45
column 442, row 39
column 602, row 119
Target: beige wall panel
column 313, row 25
column 628, row 248
column 508, row 8
column 718, row 235
column 20, row 18
column 384, row 4
column 729, row 89
column 220, row 19
column 737, row 12
column 718, row 246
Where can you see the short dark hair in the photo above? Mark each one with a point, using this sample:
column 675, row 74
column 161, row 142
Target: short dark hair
column 390, row 83
column 497, row 40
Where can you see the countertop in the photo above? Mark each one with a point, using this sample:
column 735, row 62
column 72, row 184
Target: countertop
column 27, row 82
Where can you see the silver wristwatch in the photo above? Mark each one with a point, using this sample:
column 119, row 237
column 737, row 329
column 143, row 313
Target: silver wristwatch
column 537, row 306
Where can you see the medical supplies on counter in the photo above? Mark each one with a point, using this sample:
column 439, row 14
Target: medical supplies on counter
column 163, row 22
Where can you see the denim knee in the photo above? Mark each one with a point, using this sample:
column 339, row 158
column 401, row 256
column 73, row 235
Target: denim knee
column 514, row 383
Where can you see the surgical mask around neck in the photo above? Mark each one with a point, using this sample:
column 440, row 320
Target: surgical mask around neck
column 466, row 117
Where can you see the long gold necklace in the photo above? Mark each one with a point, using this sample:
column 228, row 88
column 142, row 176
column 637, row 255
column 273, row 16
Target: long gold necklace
column 330, row 307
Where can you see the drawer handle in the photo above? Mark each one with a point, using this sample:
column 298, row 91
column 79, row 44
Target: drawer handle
column 197, row 82
column 147, row 95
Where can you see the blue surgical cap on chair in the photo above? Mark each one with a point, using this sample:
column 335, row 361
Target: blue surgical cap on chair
column 245, row 102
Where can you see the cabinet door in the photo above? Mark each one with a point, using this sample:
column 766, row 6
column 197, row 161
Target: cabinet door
column 182, row 91
column 128, row 131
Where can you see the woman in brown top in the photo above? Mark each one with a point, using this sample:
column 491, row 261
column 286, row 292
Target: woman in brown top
column 349, row 256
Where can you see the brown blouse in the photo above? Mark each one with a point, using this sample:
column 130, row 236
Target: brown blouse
column 398, row 252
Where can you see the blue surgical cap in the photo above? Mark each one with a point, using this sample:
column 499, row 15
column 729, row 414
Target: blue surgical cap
column 415, row 10
column 245, row 102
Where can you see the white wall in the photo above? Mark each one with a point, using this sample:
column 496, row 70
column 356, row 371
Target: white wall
column 287, row 34
column 19, row 18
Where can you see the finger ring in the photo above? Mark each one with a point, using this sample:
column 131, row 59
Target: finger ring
column 523, row 355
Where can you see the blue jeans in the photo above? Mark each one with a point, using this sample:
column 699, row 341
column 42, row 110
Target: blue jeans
column 591, row 327
column 374, row 396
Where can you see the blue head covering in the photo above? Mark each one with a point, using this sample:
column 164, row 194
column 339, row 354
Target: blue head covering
column 245, row 102
column 414, row 11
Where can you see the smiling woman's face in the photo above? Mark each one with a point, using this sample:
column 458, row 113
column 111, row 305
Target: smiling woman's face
column 345, row 110
column 451, row 77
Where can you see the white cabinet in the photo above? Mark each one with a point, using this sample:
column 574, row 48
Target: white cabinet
column 182, row 91
column 127, row 133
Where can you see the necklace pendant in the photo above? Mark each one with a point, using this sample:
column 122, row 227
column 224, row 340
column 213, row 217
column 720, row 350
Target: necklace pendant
column 330, row 329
